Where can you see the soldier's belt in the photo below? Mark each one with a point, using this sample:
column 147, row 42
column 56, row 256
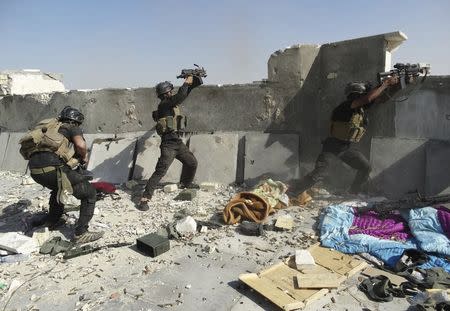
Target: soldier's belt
column 42, row 170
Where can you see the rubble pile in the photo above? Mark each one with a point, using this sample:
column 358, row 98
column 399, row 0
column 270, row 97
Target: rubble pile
column 201, row 267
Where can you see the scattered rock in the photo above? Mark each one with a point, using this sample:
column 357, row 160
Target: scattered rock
column 209, row 186
column 285, row 222
column 186, row 225
column 170, row 188
column 27, row 181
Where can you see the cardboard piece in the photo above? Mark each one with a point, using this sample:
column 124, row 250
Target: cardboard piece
column 279, row 283
column 321, row 280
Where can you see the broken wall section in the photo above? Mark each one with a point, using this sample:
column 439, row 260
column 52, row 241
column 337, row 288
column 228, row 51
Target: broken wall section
column 29, row 81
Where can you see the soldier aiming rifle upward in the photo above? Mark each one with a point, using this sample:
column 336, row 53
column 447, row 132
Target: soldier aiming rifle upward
column 407, row 73
column 170, row 123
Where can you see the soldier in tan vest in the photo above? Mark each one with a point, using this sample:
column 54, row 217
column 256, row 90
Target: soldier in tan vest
column 52, row 147
column 348, row 125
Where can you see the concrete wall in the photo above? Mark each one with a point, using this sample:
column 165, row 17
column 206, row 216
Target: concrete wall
column 425, row 113
column 305, row 82
column 415, row 155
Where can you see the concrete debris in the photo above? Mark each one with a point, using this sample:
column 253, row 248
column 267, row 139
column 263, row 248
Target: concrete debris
column 170, row 188
column 284, row 222
column 18, row 243
column 304, row 259
column 27, row 181
column 218, row 252
column 186, row 226
column 209, row 186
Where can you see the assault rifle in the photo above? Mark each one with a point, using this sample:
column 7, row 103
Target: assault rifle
column 197, row 72
column 87, row 249
column 385, row 207
column 407, row 73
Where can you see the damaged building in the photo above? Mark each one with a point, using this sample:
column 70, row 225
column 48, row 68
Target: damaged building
column 241, row 135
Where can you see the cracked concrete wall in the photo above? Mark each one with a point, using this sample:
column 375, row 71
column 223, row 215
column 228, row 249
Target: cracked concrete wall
column 305, row 83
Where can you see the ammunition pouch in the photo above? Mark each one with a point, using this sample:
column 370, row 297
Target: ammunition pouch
column 168, row 124
column 351, row 131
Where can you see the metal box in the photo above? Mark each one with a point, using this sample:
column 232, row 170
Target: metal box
column 153, row 244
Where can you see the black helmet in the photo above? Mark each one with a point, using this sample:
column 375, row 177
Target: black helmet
column 356, row 88
column 71, row 114
column 163, row 87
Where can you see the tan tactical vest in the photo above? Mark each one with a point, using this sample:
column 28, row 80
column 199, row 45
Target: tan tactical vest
column 174, row 123
column 351, row 131
column 46, row 137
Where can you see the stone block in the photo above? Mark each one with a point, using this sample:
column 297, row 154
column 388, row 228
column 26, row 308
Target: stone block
column 13, row 160
column 148, row 153
column 17, row 243
column 111, row 161
column 304, row 259
column 437, row 168
column 217, row 157
column 271, row 156
column 398, row 166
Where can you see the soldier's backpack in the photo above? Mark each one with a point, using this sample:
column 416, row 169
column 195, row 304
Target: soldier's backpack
column 46, row 137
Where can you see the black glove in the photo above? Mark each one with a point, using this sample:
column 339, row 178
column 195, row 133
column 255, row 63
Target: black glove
column 197, row 81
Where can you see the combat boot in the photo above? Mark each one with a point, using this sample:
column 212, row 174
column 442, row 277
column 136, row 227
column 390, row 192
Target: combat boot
column 143, row 204
column 87, row 237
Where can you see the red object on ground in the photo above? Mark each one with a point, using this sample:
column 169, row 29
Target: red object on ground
column 104, row 186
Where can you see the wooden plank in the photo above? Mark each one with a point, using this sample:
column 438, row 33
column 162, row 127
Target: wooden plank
column 326, row 280
column 395, row 279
